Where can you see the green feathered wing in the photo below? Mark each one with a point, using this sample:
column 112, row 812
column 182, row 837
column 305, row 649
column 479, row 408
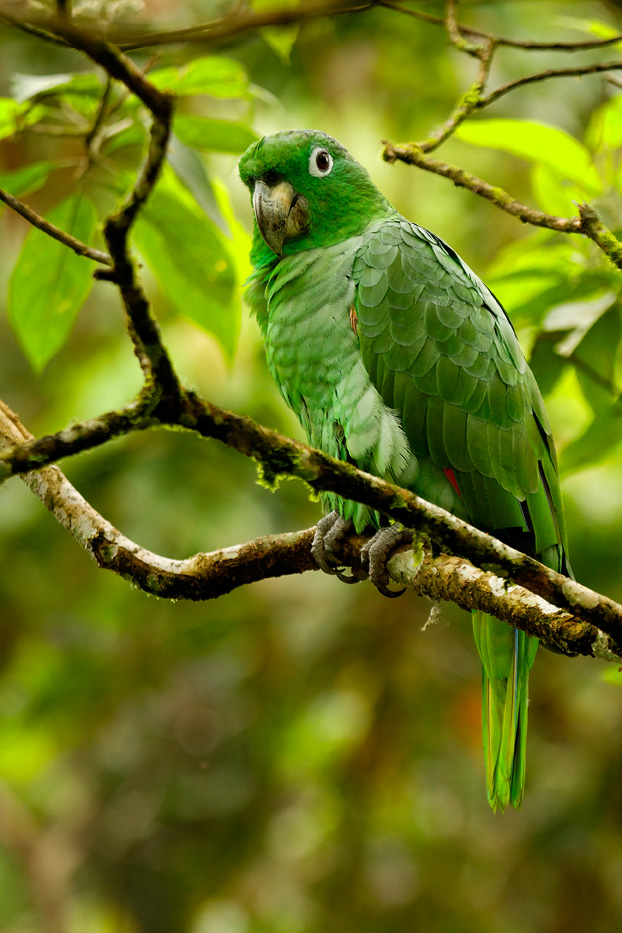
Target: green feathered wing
column 442, row 353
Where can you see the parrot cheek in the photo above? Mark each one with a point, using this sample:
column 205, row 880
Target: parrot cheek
column 298, row 220
column 281, row 214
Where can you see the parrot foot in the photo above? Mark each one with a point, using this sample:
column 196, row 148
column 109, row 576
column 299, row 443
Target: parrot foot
column 375, row 554
column 329, row 532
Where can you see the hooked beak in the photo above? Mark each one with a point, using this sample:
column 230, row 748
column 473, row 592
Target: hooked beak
column 281, row 214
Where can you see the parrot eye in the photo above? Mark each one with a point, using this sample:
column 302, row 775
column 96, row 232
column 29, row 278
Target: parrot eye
column 320, row 163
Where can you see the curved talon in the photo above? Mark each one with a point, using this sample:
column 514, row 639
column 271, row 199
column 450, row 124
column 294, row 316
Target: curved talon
column 376, row 553
column 318, row 546
column 329, row 532
column 355, row 577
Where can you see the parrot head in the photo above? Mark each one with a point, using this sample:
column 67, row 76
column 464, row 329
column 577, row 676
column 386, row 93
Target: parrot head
column 308, row 191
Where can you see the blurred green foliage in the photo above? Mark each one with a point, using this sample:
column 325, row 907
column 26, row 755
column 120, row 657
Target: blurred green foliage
column 298, row 756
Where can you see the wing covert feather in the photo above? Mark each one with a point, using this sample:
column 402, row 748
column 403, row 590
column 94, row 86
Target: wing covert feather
column 443, row 354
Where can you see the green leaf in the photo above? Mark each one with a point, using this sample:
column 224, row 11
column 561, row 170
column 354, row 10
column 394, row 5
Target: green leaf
column 25, row 180
column 219, row 77
column 555, row 194
column 279, row 38
column 546, row 365
column 189, row 260
column 214, row 135
column 595, row 360
column 50, row 283
column 612, row 675
column 578, row 316
column 122, row 135
column 594, row 27
column 603, row 434
column 15, row 116
column 605, row 127
column 190, row 170
column 539, row 143
column 24, row 87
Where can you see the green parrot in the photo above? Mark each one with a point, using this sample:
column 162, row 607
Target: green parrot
column 396, row 357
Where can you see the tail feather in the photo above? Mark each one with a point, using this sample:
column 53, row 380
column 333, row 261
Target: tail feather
column 507, row 657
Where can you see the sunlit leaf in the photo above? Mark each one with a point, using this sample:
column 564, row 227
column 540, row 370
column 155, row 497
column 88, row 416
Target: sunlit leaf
column 219, row 77
column 281, row 40
column 532, row 276
column 15, row 116
column 189, row 259
column 536, row 142
column 555, row 194
column 603, row 434
column 605, row 127
column 50, row 283
column 214, row 135
column 612, row 675
column 594, row 27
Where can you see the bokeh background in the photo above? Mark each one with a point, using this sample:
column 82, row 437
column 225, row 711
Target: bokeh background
column 301, row 756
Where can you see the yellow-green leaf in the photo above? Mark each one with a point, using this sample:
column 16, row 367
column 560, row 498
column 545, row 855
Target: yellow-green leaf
column 214, row 135
column 219, row 77
column 538, row 143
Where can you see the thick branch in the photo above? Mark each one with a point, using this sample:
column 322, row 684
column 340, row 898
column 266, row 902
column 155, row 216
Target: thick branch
column 280, row 456
column 208, row 576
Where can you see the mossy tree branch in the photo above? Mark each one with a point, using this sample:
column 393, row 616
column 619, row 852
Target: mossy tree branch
column 280, row 456
column 429, row 571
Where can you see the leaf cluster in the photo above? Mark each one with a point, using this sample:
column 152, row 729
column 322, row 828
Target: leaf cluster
column 183, row 235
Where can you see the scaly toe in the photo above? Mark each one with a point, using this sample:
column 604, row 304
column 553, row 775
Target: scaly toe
column 329, row 532
column 376, row 553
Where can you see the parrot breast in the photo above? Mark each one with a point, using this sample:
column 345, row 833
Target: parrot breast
column 314, row 356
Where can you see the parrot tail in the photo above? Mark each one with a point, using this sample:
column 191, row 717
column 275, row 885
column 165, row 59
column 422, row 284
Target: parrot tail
column 507, row 657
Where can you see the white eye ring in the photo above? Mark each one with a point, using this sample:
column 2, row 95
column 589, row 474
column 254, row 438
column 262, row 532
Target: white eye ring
column 320, row 162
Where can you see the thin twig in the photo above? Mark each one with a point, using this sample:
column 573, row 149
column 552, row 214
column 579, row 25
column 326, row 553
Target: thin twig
column 42, row 224
column 527, row 44
column 31, row 28
column 455, row 34
column 236, row 24
column 578, row 72
column 222, row 29
column 468, row 104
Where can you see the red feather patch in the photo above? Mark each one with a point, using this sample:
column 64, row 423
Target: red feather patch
column 449, row 473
